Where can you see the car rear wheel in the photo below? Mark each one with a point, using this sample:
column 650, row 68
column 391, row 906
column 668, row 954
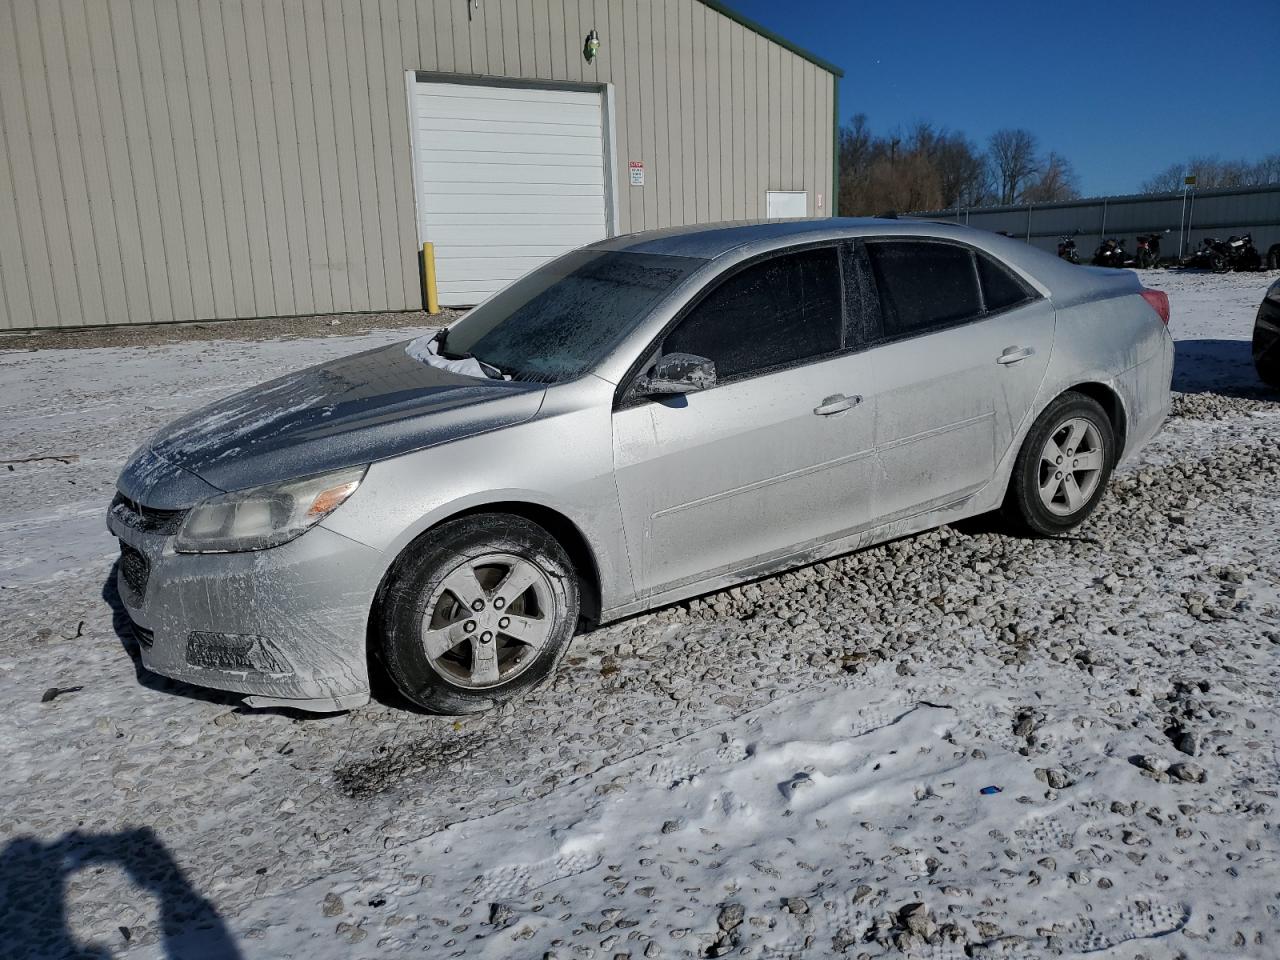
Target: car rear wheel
column 482, row 612
column 1063, row 467
column 1266, row 357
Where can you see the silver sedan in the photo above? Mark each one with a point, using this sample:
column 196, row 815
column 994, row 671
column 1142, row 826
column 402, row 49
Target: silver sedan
column 646, row 419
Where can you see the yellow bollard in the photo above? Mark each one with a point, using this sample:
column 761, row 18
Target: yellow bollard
column 429, row 277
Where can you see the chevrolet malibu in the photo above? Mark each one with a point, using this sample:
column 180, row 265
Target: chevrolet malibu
column 639, row 421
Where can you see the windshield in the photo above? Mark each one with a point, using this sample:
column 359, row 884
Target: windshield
column 561, row 320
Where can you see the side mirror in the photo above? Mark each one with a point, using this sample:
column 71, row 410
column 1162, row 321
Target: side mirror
column 677, row 373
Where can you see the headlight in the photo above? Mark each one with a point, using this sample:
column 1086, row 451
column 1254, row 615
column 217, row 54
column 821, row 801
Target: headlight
column 265, row 516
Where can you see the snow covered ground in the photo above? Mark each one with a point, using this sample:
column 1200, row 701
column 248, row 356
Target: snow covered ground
column 793, row 768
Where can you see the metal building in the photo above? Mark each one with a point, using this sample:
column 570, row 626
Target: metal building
column 165, row 160
column 1182, row 220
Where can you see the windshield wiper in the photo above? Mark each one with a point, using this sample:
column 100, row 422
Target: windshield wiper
column 441, row 339
column 492, row 372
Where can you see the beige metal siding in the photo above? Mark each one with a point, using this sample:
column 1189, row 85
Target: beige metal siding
column 168, row 160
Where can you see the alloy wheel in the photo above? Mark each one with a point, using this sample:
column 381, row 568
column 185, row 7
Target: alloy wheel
column 1071, row 466
column 487, row 620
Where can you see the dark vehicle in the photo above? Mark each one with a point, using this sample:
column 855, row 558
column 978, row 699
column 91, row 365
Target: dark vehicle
column 1266, row 338
column 1148, row 254
column 1110, row 253
column 1067, row 250
column 1242, row 254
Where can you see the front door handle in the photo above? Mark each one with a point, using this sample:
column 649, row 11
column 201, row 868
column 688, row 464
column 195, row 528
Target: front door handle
column 836, row 403
column 1014, row 354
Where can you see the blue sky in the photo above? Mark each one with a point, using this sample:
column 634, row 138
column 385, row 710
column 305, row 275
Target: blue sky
column 1123, row 94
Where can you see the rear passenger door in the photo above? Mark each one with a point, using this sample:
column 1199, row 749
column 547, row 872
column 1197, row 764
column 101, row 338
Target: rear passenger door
column 963, row 347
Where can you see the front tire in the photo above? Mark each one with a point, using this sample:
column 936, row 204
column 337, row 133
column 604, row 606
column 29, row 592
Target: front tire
column 480, row 612
column 1266, row 358
column 1062, row 469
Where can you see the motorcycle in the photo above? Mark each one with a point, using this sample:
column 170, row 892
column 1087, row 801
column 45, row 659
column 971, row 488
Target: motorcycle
column 1212, row 254
column 1148, row 254
column 1232, row 254
column 1242, row 254
column 1067, row 250
column 1110, row 253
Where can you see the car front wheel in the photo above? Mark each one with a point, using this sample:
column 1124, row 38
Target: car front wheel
column 481, row 611
column 1063, row 467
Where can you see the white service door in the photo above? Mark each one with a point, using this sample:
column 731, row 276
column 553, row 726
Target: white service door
column 784, row 204
column 507, row 178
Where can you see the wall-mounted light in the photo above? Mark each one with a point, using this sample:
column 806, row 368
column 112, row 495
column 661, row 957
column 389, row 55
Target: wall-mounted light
column 591, row 48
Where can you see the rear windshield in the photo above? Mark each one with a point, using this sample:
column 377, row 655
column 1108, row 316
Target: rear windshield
column 561, row 320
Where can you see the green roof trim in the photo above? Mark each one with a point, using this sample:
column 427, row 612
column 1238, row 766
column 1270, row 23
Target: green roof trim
column 768, row 34
column 835, row 148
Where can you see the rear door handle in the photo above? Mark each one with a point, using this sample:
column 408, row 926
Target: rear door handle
column 1014, row 354
column 836, row 403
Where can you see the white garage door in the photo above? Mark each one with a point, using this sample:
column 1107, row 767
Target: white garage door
column 507, row 178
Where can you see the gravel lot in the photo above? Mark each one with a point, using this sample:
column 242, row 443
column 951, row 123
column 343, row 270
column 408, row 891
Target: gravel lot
column 791, row 768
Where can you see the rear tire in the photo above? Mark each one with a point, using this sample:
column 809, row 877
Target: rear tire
column 1062, row 470
column 479, row 613
column 1266, row 358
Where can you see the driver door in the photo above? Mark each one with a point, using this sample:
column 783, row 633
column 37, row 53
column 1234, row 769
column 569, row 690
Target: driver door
column 776, row 456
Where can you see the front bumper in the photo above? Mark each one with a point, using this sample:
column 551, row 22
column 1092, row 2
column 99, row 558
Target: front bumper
column 286, row 626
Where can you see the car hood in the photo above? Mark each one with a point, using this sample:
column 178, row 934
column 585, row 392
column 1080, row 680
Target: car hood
column 362, row 408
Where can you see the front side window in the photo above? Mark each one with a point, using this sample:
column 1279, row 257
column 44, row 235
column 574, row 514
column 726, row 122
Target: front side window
column 772, row 314
column 562, row 319
column 923, row 285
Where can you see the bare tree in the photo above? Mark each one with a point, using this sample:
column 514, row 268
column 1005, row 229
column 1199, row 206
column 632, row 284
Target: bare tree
column 857, row 151
column 1055, row 181
column 931, row 168
column 1211, row 173
column 1167, row 180
column 964, row 173
column 1013, row 155
column 1267, row 170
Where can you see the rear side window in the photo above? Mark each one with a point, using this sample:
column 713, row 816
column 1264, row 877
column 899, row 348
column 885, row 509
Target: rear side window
column 782, row 311
column 1000, row 288
column 923, row 285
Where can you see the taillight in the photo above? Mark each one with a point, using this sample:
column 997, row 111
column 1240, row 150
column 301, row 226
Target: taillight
column 1159, row 301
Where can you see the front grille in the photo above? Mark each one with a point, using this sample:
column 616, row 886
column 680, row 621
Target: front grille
column 234, row 651
column 135, row 569
column 147, row 519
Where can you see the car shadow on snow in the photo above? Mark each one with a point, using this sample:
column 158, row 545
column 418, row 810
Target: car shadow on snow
column 36, row 877
column 1218, row 366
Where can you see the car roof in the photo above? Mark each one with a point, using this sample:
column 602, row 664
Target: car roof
column 724, row 243
column 710, row 241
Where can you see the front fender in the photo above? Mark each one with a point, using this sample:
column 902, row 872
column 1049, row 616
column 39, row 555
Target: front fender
column 562, row 463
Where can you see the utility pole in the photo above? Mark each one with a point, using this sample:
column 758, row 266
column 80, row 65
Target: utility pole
column 1184, row 225
column 1191, row 208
